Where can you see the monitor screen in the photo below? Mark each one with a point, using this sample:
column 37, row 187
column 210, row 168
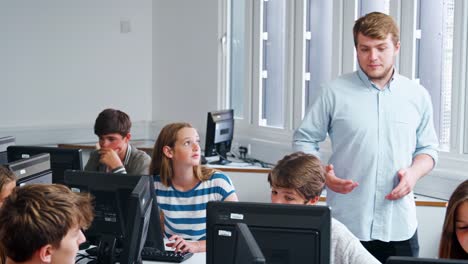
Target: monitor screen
column 412, row 260
column 247, row 250
column 35, row 169
column 219, row 134
column 112, row 193
column 285, row 233
column 5, row 142
column 60, row 159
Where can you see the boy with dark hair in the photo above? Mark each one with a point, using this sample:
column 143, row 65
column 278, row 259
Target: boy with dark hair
column 299, row 178
column 114, row 153
column 41, row 223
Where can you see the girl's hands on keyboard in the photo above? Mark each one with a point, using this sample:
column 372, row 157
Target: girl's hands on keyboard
column 179, row 244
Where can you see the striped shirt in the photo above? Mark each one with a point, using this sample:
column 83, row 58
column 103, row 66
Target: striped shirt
column 185, row 212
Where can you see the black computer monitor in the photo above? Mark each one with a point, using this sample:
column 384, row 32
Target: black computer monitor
column 412, row 260
column 112, row 192
column 247, row 250
column 60, row 159
column 285, row 233
column 138, row 219
column 35, row 169
column 5, row 142
column 219, row 134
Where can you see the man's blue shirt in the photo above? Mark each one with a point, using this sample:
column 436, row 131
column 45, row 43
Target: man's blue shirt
column 374, row 133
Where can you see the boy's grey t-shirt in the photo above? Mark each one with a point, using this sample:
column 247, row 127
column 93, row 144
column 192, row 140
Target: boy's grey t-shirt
column 137, row 162
column 346, row 248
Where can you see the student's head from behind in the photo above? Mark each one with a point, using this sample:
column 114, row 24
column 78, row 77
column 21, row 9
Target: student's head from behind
column 454, row 240
column 7, row 183
column 112, row 126
column 178, row 144
column 377, row 42
column 41, row 223
column 298, row 178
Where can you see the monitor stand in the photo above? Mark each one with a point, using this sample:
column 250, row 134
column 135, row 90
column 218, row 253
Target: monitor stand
column 105, row 251
column 221, row 161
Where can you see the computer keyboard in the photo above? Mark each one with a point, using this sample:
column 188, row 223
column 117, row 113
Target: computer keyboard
column 168, row 256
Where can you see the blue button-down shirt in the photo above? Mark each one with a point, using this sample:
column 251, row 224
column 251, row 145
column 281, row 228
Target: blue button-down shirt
column 374, row 133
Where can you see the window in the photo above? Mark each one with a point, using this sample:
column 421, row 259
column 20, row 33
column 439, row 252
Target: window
column 318, row 51
column 273, row 63
column 434, row 59
column 281, row 51
column 237, row 47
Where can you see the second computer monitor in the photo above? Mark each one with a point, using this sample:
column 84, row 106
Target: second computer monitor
column 35, row 169
column 5, row 142
column 60, row 159
column 219, row 134
column 122, row 206
column 284, row 233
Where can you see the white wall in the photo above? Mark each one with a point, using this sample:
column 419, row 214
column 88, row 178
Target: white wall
column 185, row 67
column 62, row 62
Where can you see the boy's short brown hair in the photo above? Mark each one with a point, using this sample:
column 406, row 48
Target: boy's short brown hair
column 40, row 214
column 301, row 172
column 112, row 121
column 376, row 25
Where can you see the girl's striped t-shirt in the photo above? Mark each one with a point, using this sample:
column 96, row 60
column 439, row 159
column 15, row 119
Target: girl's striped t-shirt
column 185, row 212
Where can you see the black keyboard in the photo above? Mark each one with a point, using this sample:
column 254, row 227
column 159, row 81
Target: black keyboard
column 168, row 256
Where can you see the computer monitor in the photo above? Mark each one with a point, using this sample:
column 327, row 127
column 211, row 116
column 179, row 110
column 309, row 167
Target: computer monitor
column 247, row 250
column 412, row 260
column 219, row 134
column 285, row 233
column 112, row 192
column 35, row 169
column 138, row 219
column 60, row 159
column 5, row 142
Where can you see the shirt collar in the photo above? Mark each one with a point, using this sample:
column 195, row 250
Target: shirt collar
column 370, row 85
column 127, row 155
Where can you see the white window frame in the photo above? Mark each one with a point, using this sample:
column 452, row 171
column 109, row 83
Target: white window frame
column 344, row 60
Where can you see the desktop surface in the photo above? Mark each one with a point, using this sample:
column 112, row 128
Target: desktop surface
column 197, row 258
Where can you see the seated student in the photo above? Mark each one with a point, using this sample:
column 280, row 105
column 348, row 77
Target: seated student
column 454, row 239
column 183, row 187
column 7, row 183
column 41, row 223
column 299, row 178
column 115, row 153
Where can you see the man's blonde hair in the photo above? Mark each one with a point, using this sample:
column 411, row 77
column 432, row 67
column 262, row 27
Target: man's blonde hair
column 376, row 25
column 40, row 214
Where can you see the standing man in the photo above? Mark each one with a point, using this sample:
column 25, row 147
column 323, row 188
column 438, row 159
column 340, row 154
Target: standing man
column 115, row 154
column 383, row 139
